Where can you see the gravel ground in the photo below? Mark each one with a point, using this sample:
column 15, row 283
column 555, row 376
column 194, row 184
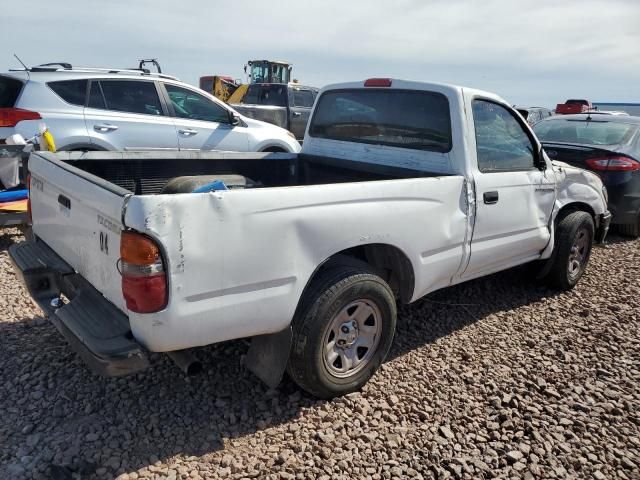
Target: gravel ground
column 514, row 381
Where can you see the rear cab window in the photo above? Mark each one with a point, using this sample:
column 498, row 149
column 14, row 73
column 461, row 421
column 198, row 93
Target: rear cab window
column 71, row 91
column 10, row 89
column 418, row 120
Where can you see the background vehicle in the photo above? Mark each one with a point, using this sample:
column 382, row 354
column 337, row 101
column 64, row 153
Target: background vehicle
column 572, row 106
column 608, row 145
column 627, row 107
column 534, row 114
column 402, row 188
column 13, row 165
column 98, row 109
column 285, row 105
column 229, row 90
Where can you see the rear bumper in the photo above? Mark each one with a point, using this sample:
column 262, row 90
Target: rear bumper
column 11, row 219
column 624, row 196
column 98, row 331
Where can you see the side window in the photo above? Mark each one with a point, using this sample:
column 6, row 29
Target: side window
column 71, row 91
column 96, row 99
column 501, row 142
column 131, row 96
column 302, row 98
column 188, row 104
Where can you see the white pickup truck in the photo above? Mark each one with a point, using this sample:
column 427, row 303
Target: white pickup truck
column 401, row 188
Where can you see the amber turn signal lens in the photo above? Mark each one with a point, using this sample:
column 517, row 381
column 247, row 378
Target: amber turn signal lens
column 137, row 249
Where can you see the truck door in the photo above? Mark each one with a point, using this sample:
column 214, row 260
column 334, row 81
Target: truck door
column 300, row 102
column 514, row 198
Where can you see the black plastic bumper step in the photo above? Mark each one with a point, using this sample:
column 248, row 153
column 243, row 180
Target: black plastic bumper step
column 33, row 256
column 95, row 328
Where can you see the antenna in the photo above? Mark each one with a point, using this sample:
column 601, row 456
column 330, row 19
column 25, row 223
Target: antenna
column 26, row 69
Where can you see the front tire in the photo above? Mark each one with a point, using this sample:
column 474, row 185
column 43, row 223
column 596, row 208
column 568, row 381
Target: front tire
column 574, row 239
column 342, row 331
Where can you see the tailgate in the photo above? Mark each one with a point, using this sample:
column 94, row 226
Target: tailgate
column 79, row 216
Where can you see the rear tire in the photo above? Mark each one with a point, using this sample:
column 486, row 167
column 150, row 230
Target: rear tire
column 342, row 331
column 574, row 239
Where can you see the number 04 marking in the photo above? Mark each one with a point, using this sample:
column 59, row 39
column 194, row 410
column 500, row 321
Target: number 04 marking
column 104, row 243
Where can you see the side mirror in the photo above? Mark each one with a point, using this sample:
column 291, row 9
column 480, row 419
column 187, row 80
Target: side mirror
column 235, row 119
column 540, row 163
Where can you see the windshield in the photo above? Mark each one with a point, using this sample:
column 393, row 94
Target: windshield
column 587, row 132
column 269, row 73
column 398, row 118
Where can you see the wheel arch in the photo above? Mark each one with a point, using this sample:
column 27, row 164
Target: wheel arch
column 574, row 207
column 274, row 149
column 388, row 261
column 80, row 146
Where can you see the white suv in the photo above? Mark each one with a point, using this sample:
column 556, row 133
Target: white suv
column 101, row 109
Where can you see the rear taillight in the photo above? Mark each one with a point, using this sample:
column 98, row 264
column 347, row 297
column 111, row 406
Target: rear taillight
column 377, row 82
column 29, row 199
column 144, row 283
column 9, row 117
column 613, row 164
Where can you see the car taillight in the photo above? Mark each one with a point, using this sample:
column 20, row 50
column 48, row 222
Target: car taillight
column 144, row 282
column 377, row 82
column 9, row 117
column 30, row 220
column 614, row 164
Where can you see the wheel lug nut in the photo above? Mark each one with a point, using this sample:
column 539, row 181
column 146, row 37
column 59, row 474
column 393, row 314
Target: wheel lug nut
column 345, row 329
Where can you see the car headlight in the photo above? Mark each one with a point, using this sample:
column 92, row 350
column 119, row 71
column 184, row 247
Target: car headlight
column 605, row 194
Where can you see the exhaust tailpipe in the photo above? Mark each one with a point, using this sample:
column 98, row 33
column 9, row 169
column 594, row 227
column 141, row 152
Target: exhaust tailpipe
column 185, row 360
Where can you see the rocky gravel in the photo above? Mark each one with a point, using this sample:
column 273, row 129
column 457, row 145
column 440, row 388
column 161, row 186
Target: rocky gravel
column 495, row 378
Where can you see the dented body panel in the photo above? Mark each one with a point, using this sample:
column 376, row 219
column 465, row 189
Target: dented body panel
column 238, row 261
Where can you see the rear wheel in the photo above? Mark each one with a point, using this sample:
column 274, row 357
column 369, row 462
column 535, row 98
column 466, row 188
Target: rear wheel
column 574, row 238
column 342, row 331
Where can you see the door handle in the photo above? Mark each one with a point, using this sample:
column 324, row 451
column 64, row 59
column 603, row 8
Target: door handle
column 188, row 131
column 64, row 201
column 104, row 127
column 296, row 114
column 490, row 197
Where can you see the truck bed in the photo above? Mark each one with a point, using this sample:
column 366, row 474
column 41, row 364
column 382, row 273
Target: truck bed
column 144, row 173
column 244, row 256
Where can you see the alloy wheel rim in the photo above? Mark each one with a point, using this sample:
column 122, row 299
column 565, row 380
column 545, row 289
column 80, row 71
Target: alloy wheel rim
column 351, row 338
column 578, row 252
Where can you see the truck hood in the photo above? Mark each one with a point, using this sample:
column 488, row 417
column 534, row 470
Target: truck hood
column 580, row 185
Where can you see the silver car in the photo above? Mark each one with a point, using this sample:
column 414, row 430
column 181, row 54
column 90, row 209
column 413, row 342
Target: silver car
column 102, row 109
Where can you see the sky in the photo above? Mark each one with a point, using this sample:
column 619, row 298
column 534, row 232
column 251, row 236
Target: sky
column 534, row 52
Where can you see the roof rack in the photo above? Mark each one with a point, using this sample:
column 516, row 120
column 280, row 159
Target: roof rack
column 67, row 67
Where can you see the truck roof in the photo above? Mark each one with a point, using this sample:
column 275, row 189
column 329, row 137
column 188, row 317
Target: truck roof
column 395, row 83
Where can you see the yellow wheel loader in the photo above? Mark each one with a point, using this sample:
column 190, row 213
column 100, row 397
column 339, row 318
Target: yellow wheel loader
column 258, row 71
